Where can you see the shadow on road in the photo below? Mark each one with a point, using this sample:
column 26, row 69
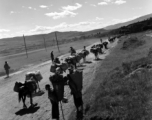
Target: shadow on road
column 88, row 62
column 81, row 65
column 29, row 110
column 7, row 77
column 97, row 59
column 40, row 93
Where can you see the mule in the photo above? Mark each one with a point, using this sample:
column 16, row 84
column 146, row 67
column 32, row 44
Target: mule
column 26, row 89
column 105, row 44
column 71, row 61
column 95, row 52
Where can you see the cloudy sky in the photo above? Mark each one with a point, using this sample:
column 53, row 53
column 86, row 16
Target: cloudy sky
column 18, row 17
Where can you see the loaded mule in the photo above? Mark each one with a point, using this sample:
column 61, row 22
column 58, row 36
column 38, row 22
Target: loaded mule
column 96, row 49
column 25, row 89
column 74, row 59
column 111, row 39
column 62, row 64
column 37, row 77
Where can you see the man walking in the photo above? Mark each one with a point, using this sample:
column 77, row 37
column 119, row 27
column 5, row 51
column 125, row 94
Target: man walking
column 7, row 68
column 52, row 56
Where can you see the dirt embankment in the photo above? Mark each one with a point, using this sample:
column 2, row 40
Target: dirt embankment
column 122, row 86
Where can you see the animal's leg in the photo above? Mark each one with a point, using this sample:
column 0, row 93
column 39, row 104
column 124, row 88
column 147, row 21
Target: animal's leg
column 31, row 99
column 38, row 86
column 75, row 64
column 23, row 99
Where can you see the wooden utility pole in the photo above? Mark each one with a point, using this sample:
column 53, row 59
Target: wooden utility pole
column 57, row 41
column 44, row 42
column 25, row 46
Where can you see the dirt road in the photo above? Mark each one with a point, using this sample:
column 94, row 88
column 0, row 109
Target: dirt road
column 10, row 109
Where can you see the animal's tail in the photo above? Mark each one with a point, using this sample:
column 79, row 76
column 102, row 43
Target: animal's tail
column 20, row 95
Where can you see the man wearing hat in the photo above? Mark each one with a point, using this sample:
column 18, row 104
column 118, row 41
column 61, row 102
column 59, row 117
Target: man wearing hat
column 77, row 95
column 7, row 68
column 72, row 50
column 53, row 99
column 58, row 82
column 52, row 56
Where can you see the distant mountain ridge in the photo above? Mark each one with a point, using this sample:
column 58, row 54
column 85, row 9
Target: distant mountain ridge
column 72, row 34
column 60, row 35
column 115, row 26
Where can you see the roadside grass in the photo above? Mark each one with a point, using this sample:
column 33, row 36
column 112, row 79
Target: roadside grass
column 113, row 95
column 132, row 43
column 123, row 98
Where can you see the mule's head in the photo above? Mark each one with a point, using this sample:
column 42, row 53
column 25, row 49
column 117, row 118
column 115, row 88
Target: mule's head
column 19, row 84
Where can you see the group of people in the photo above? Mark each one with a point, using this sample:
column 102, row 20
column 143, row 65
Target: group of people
column 72, row 52
column 56, row 91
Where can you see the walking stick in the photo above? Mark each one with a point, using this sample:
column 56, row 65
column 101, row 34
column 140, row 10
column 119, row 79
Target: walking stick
column 62, row 111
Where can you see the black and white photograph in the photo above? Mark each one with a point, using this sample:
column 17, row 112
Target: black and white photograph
column 75, row 59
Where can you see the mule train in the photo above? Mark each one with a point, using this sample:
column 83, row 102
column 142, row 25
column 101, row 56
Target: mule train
column 32, row 79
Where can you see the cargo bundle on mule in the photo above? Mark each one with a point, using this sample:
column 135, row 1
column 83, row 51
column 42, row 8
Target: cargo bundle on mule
column 34, row 76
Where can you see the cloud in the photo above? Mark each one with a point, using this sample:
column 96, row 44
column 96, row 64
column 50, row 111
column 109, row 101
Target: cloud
column 72, row 8
column 107, row 0
column 56, row 15
column 65, row 11
column 12, row 12
column 31, row 8
column 43, row 6
column 41, row 29
column 119, row 2
column 80, row 26
column 4, row 30
column 97, row 18
column 102, row 3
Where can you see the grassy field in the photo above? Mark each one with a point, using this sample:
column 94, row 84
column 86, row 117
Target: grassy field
column 15, row 45
column 20, row 61
column 118, row 92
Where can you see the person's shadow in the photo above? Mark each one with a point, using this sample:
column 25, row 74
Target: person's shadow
column 29, row 110
column 7, row 77
column 88, row 62
column 97, row 59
